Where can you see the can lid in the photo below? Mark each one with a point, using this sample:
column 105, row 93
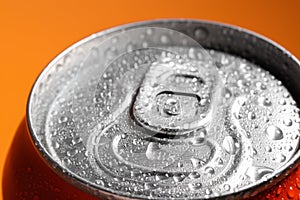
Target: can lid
column 148, row 113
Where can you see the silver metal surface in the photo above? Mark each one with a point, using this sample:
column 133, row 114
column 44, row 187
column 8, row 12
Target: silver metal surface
column 144, row 111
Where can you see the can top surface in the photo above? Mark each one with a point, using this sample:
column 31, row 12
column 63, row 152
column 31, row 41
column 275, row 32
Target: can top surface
column 169, row 109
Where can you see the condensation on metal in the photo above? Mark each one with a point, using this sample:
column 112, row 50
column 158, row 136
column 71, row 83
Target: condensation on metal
column 145, row 112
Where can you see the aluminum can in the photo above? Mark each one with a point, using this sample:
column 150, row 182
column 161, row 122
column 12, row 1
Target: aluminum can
column 170, row 109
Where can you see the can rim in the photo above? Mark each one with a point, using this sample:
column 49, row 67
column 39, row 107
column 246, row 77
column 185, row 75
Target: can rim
column 79, row 182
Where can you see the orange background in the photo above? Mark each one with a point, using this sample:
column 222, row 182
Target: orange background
column 34, row 31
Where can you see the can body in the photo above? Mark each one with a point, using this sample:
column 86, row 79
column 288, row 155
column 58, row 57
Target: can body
column 93, row 153
column 27, row 176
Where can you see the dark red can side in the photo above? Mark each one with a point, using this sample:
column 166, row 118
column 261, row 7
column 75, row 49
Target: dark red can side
column 27, row 177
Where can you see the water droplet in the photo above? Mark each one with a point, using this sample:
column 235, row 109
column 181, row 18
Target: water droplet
column 251, row 115
column 194, row 186
column 227, row 94
column 196, row 162
column 287, row 122
column 282, row 102
column 201, row 33
column 208, row 191
column 209, row 170
column 195, row 89
column 124, row 135
column 242, row 83
column 76, row 140
column 150, row 186
column 268, row 149
column 241, row 101
column 152, row 149
column 63, row 119
column 281, row 158
column 220, row 162
column 224, row 60
column 199, row 139
column 229, row 145
column 286, row 95
column 289, row 148
column 114, row 40
column 274, row 132
column 29, row 169
column 56, row 145
column 254, row 151
column 264, row 101
column 111, row 53
column 191, row 53
column 232, row 127
column 266, row 119
column 164, row 39
column 130, row 47
column 145, row 44
column 178, row 177
column 291, row 193
column 149, row 31
column 72, row 152
column 159, row 177
column 249, row 68
column 99, row 182
column 279, row 190
column 298, row 183
column 260, row 85
column 226, row 187
column 172, row 106
column 203, row 102
column 194, row 175
column 256, row 173
column 66, row 161
column 179, row 164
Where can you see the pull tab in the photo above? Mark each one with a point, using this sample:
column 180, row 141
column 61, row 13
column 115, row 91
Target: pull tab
column 174, row 97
